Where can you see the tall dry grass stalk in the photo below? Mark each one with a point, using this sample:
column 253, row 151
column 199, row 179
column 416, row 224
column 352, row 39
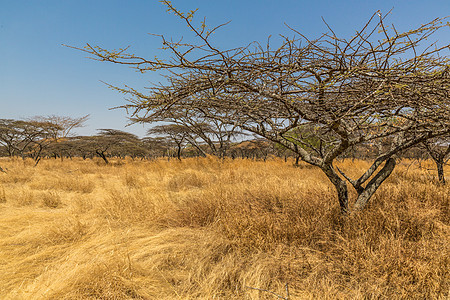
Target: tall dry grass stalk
column 213, row 229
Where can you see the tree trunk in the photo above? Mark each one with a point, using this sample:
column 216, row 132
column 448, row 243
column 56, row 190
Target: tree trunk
column 179, row 153
column 37, row 161
column 340, row 186
column 440, row 170
column 102, row 155
column 37, row 155
column 365, row 194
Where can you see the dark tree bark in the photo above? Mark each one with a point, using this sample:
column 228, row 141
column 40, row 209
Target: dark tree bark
column 364, row 194
column 102, row 154
column 440, row 156
column 440, row 170
column 340, row 186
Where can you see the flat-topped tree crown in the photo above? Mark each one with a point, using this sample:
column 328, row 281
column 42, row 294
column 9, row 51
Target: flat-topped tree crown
column 380, row 85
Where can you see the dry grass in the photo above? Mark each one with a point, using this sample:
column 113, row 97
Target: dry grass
column 209, row 229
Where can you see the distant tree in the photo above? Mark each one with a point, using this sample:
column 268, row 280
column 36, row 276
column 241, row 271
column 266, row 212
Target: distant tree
column 81, row 146
column 26, row 137
column 178, row 134
column 107, row 143
column 254, row 149
column 439, row 151
column 61, row 127
column 380, row 84
column 41, row 138
column 113, row 141
column 198, row 130
column 15, row 136
column 217, row 135
column 156, row 146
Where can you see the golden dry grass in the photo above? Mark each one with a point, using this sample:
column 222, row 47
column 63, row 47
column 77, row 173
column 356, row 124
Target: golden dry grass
column 210, row 229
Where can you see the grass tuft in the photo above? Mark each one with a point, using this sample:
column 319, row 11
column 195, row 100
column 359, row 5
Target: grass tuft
column 51, row 199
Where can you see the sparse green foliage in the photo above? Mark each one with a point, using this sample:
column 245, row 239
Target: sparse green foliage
column 380, row 86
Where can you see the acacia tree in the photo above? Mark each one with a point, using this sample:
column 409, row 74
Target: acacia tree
column 439, row 151
column 16, row 135
column 380, row 84
column 60, row 128
column 112, row 141
column 256, row 148
column 178, row 134
column 156, row 146
column 64, row 125
column 10, row 135
column 41, row 138
column 26, row 137
column 214, row 133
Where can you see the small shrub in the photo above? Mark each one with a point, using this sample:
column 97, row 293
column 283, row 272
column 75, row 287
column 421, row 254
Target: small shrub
column 25, row 197
column 67, row 231
column 134, row 180
column 186, row 180
column 51, row 199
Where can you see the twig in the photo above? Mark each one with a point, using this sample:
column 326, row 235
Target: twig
column 279, row 296
column 287, row 291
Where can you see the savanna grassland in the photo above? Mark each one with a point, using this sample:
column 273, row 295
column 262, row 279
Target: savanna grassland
column 204, row 228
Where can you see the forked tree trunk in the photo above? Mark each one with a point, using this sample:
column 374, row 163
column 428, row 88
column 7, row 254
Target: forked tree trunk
column 102, row 155
column 37, row 155
column 439, row 159
column 364, row 194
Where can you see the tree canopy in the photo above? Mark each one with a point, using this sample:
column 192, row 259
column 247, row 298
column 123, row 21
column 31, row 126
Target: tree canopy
column 380, row 85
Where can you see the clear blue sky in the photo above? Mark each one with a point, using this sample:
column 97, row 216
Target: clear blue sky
column 38, row 76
